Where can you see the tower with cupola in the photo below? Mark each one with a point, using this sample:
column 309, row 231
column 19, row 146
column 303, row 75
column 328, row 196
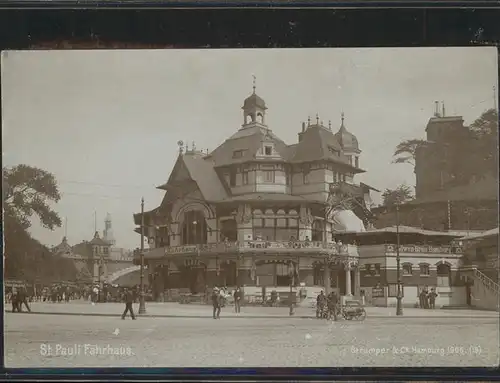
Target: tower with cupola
column 348, row 143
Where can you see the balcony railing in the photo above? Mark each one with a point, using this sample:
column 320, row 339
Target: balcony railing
column 264, row 246
column 425, row 249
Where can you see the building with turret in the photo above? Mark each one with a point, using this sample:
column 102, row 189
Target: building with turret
column 99, row 260
column 259, row 213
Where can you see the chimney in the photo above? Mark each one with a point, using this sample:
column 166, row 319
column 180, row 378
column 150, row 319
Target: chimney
column 444, row 113
column 303, row 127
column 436, row 112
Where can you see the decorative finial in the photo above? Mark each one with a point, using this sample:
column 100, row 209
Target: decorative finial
column 180, row 144
column 187, row 148
column 317, row 119
column 308, row 120
column 254, row 83
column 342, row 118
column 193, row 146
column 330, row 124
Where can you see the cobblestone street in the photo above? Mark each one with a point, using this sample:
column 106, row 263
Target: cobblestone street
column 33, row 340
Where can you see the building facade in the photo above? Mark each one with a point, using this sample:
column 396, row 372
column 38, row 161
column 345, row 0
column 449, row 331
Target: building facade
column 256, row 212
column 98, row 260
column 428, row 259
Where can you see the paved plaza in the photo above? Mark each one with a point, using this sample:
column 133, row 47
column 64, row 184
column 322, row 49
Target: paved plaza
column 34, row 340
column 155, row 309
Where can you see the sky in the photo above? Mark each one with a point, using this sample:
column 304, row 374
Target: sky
column 106, row 123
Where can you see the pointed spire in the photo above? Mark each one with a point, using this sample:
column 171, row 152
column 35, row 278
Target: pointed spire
column 342, row 117
column 254, row 83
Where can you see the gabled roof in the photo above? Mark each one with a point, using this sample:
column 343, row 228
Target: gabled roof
column 98, row 241
column 316, row 144
column 196, row 167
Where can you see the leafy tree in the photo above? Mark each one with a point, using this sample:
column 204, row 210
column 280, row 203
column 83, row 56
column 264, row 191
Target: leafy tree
column 406, row 150
column 484, row 144
column 391, row 197
column 27, row 191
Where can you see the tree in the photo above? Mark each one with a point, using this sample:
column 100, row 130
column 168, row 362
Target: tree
column 484, row 145
column 27, row 191
column 405, row 151
column 391, row 197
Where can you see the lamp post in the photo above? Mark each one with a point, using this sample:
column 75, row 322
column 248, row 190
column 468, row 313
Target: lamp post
column 399, row 307
column 142, row 303
column 292, row 274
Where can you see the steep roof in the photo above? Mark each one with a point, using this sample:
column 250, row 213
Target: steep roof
column 249, row 141
column 319, row 143
column 203, row 173
column 196, row 167
column 97, row 240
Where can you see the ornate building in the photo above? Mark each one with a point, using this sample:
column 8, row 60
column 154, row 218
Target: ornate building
column 98, row 260
column 257, row 212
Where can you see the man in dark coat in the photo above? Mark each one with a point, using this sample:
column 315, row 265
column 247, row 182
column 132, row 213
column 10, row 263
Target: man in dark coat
column 432, row 298
column 129, row 300
column 216, row 302
column 320, row 303
column 15, row 300
column 332, row 301
column 22, row 298
column 237, row 300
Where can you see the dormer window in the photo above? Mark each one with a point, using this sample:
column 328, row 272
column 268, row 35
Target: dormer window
column 238, row 153
column 268, row 150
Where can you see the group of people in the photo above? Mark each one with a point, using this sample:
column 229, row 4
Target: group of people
column 327, row 303
column 427, row 300
column 219, row 298
column 18, row 298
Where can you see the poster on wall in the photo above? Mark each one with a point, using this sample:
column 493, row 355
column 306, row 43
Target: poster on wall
column 393, row 290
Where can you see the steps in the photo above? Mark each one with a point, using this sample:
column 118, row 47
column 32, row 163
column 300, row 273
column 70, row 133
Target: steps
column 485, row 291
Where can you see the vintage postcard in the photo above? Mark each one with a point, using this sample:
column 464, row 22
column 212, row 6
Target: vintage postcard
column 251, row 208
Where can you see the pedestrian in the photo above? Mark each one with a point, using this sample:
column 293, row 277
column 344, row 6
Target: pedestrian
column 320, row 304
column 14, row 300
column 22, row 298
column 426, row 297
column 331, row 302
column 216, row 302
column 421, row 298
column 432, row 298
column 129, row 300
column 237, row 300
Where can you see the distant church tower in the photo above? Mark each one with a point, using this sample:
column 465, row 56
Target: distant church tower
column 108, row 231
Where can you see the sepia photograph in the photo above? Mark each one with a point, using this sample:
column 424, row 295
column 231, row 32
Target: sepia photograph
column 251, row 207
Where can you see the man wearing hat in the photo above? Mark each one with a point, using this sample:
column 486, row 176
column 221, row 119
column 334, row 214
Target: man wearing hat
column 216, row 302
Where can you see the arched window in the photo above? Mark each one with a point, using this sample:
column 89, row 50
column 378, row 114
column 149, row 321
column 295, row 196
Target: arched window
column 443, row 275
column 407, row 269
column 194, row 228
column 249, row 118
column 317, row 231
column 260, row 118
